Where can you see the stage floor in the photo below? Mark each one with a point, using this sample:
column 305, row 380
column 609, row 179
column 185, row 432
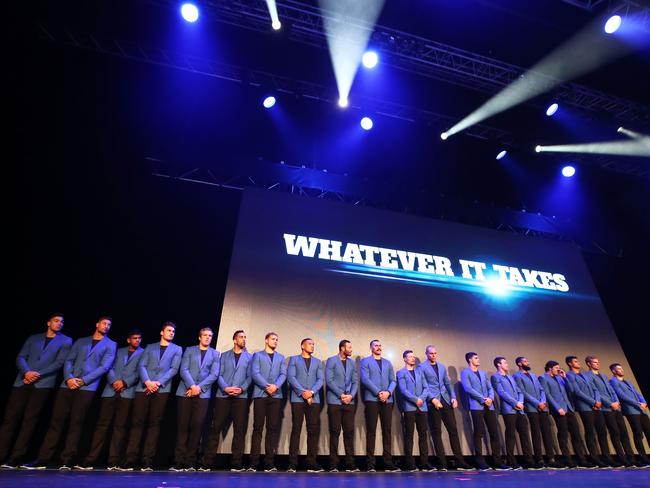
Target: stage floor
column 628, row 478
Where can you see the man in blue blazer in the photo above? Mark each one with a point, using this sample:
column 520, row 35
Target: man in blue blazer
column 586, row 399
column 378, row 381
column 480, row 394
column 158, row 366
column 342, row 386
column 536, row 408
column 555, row 387
column 305, row 378
column 117, row 399
column 38, row 363
column 269, row 372
column 511, row 407
column 441, row 404
column 412, row 393
column 89, row 359
column 199, row 370
column 611, row 411
column 231, row 403
column 635, row 409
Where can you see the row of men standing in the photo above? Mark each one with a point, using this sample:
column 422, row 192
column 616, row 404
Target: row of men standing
column 140, row 380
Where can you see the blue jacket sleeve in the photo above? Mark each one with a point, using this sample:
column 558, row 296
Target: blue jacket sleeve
column 207, row 382
column 247, row 380
column 256, row 372
column 580, row 394
column 68, row 365
column 21, row 359
column 549, row 395
column 403, row 390
column 144, row 363
column 185, row 369
column 108, row 358
column 292, row 377
column 467, row 386
column 527, row 396
column 329, row 377
column 448, row 386
column 173, row 369
column 365, row 379
column 497, row 383
column 319, row 378
column 354, row 387
column 283, row 374
column 391, row 376
column 133, row 377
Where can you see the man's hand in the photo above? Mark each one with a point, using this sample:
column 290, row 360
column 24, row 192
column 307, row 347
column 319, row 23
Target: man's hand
column 195, row 390
column 271, row 389
column 454, row 403
column 233, row 390
column 487, row 402
column 436, row 403
column 419, row 402
column 562, row 373
column 597, row 406
column 346, row 398
column 151, row 386
column 118, row 386
column 561, row 412
column 72, row 383
column 519, row 406
column 541, row 407
column 383, row 396
column 31, row 376
column 307, row 394
column 616, row 406
column 643, row 406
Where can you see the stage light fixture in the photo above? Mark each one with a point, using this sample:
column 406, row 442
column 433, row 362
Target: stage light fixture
column 444, row 136
column 370, row 59
column 613, row 23
column 568, row 171
column 276, row 24
column 343, row 102
column 502, row 154
column 538, row 149
column 269, row 102
column 552, row 108
column 190, row 12
column 366, row 123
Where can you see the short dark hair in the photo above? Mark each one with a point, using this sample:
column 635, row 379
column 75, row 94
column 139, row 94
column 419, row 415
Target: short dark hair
column 613, row 366
column 204, row 329
column 168, row 323
column 469, row 355
column 269, row 334
column 306, row 339
column 52, row 315
column 343, row 343
column 237, row 332
column 133, row 332
column 589, row 359
column 497, row 361
column 568, row 359
column 550, row 364
column 519, row 360
column 105, row 317
column 406, row 353
column 374, row 340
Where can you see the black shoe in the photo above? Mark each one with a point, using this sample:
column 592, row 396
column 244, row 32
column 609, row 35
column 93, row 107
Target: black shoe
column 237, row 468
column 177, row 468
column 146, row 468
column 502, row 467
column 314, row 468
column 65, row 467
column 333, row 470
column 34, row 465
column 251, row 469
column 427, row 468
column 371, row 469
column 463, row 466
column 8, row 465
column 292, row 468
column 555, row 465
column 269, row 468
column 482, row 465
column 391, row 468
column 351, row 468
column 409, row 468
column 83, row 467
column 515, row 467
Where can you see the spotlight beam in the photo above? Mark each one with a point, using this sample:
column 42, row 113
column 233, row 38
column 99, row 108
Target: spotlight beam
column 630, row 133
column 637, row 147
column 273, row 12
column 348, row 25
column 584, row 52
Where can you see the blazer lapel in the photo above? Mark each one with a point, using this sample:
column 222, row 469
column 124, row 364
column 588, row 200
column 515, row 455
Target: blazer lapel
column 91, row 349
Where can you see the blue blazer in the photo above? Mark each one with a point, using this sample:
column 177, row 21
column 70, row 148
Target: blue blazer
column 629, row 396
column 509, row 393
column 154, row 368
column 300, row 379
column 556, row 393
column 124, row 368
column 439, row 385
column 89, row 363
column 532, row 389
column 48, row 361
column 197, row 372
column 476, row 389
column 341, row 380
column 264, row 373
column 375, row 380
column 605, row 390
column 583, row 394
column 234, row 375
column 409, row 390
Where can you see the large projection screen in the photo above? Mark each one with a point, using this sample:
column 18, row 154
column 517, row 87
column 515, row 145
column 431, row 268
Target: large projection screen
column 305, row 267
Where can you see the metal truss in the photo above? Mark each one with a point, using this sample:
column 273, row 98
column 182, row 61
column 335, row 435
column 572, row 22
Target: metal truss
column 415, row 54
column 309, row 182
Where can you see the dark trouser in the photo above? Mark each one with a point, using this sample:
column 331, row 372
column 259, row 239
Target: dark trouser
column 568, row 424
column 640, row 425
column 224, row 409
column 488, row 418
column 25, row 403
column 191, row 413
column 114, row 410
column 149, row 409
column 265, row 410
column 311, row 415
column 594, row 425
column 516, row 424
column 436, row 418
column 383, row 411
column 619, row 437
column 540, row 429
column 72, row 405
column 410, row 420
column 341, row 416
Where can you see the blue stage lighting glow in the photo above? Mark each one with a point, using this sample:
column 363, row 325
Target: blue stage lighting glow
column 343, row 102
column 190, row 12
column 613, row 23
column 568, row 171
column 370, row 59
column 269, row 102
column 366, row 123
column 502, row 154
column 276, row 25
column 552, row 108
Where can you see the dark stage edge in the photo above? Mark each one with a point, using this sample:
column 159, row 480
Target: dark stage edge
column 627, row 478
